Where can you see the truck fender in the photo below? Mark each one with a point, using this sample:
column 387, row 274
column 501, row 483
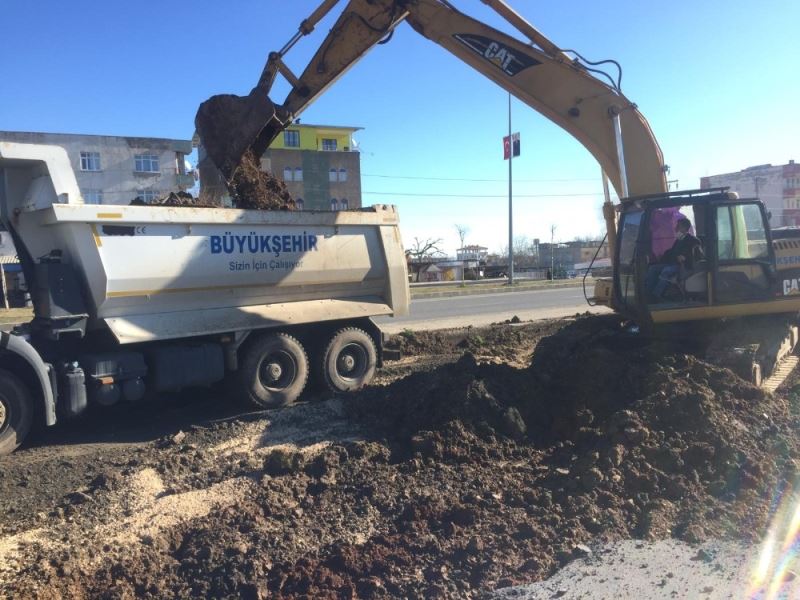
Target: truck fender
column 20, row 347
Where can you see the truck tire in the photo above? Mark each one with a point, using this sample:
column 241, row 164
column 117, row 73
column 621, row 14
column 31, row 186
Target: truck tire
column 349, row 362
column 274, row 370
column 16, row 412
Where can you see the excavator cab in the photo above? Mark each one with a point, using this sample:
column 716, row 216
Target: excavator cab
column 729, row 270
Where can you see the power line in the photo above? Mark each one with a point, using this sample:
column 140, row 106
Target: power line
column 483, row 195
column 469, row 179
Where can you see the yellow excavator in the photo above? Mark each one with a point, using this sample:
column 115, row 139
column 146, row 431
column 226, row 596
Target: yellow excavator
column 741, row 270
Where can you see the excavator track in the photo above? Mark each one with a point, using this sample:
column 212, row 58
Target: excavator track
column 760, row 350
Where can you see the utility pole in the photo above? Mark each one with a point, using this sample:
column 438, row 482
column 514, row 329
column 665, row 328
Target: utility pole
column 552, row 253
column 510, row 203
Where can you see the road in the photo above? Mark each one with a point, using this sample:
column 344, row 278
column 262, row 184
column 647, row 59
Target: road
column 483, row 309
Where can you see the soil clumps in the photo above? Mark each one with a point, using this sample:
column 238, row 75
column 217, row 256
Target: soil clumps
column 251, row 188
column 176, row 199
column 457, row 479
column 256, row 189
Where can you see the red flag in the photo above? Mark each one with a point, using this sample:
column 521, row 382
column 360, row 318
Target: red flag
column 510, row 145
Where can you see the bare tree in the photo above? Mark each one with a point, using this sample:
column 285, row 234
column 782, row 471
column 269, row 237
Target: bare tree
column 526, row 253
column 421, row 254
column 462, row 231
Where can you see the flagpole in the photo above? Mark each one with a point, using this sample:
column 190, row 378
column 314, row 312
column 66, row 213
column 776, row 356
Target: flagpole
column 510, row 207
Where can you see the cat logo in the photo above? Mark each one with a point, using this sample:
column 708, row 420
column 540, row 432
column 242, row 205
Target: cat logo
column 504, row 58
column 790, row 287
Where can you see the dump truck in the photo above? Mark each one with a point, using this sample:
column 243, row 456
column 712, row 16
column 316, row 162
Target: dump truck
column 132, row 301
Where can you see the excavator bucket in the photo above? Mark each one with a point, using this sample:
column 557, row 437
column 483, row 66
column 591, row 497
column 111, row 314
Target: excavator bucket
column 230, row 125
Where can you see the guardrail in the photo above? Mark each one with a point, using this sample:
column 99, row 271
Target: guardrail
column 497, row 280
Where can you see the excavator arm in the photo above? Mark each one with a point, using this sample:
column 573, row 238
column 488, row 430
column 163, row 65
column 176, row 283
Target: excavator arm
column 536, row 71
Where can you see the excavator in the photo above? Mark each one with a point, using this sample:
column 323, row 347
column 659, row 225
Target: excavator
column 742, row 292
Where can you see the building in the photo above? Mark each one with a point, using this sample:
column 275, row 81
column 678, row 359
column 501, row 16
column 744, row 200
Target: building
column 778, row 187
column 472, row 253
column 319, row 165
column 116, row 169
column 567, row 255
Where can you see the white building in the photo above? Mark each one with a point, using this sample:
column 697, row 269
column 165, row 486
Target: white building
column 117, row 169
column 473, row 253
column 778, row 187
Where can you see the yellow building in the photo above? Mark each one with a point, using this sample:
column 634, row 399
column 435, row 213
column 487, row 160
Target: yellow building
column 319, row 164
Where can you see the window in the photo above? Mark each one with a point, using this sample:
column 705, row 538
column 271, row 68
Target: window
column 92, row 196
column 90, row 161
column 342, row 174
column 724, row 234
column 290, row 174
column 300, row 204
column 291, row 138
column 343, row 205
column 740, row 233
column 629, row 236
column 146, row 163
column 334, row 204
column 148, row 195
column 332, row 175
column 328, row 144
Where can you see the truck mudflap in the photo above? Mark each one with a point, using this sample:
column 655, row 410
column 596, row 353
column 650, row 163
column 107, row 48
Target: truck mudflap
column 19, row 346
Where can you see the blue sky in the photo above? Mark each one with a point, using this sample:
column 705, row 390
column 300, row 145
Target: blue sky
column 718, row 81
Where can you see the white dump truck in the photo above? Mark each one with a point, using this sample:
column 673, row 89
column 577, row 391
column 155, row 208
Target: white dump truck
column 136, row 300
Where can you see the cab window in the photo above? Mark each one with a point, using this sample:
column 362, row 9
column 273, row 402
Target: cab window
column 629, row 235
column 740, row 233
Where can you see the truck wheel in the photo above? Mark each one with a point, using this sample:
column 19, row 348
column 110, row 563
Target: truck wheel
column 16, row 412
column 274, row 370
column 349, row 361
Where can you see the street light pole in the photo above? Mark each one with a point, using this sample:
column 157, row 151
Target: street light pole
column 510, row 203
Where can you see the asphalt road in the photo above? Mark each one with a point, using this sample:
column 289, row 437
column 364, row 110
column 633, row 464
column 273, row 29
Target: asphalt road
column 483, row 309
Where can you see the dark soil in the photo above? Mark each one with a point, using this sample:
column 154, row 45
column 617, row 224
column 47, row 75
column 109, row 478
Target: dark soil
column 176, row 199
column 256, row 189
column 251, row 187
column 463, row 478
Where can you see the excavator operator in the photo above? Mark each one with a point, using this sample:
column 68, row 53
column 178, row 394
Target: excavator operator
column 682, row 255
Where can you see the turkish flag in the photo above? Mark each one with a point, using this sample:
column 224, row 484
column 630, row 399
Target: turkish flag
column 510, row 145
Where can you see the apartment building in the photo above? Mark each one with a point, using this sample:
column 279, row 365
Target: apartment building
column 116, row 169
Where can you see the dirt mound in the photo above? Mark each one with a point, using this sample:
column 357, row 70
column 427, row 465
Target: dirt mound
column 501, row 341
column 466, row 477
column 255, row 189
column 251, row 188
column 176, row 199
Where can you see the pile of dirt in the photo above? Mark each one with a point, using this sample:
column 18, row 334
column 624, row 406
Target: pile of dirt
column 250, row 186
column 254, row 188
column 502, row 341
column 461, row 479
column 176, row 199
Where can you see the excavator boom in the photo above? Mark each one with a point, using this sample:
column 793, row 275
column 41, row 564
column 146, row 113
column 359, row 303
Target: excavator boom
column 536, row 71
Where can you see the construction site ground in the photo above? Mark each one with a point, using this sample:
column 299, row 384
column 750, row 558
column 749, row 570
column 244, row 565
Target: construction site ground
column 484, row 461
